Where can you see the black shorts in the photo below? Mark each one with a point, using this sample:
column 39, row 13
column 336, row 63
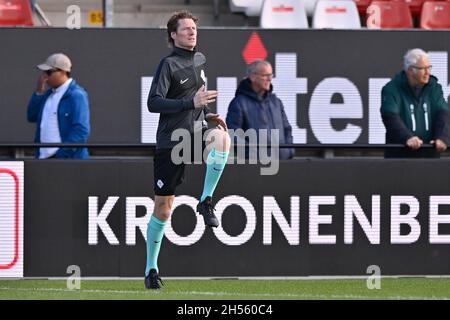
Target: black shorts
column 168, row 175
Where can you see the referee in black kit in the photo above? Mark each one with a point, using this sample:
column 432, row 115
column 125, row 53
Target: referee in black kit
column 179, row 95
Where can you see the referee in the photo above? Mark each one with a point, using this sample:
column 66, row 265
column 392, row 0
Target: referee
column 179, row 95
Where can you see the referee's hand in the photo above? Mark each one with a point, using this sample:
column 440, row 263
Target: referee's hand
column 203, row 97
column 215, row 120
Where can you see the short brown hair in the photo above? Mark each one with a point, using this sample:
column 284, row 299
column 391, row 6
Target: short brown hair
column 172, row 24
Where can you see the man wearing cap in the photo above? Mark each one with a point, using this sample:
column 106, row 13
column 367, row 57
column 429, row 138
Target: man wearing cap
column 60, row 107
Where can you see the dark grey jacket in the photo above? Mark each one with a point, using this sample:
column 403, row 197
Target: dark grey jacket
column 177, row 79
column 248, row 110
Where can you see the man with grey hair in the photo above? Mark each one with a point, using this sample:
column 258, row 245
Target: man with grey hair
column 256, row 107
column 414, row 110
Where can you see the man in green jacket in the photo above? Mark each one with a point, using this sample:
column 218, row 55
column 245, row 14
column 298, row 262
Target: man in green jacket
column 414, row 110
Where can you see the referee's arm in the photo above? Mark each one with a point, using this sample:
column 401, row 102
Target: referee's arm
column 157, row 101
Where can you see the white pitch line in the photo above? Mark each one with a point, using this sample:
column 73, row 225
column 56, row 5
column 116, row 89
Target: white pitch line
column 231, row 294
column 400, row 277
column 77, row 291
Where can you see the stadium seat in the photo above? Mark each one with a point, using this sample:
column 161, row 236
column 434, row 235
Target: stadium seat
column 15, row 13
column 310, row 5
column 362, row 6
column 336, row 14
column 237, row 5
column 283, row 14
column 435, row 15
column 388, row 15
column 415, row 6
column 253, row 9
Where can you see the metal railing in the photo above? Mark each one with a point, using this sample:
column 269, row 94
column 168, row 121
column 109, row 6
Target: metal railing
column 19, row 150
column 153, row 145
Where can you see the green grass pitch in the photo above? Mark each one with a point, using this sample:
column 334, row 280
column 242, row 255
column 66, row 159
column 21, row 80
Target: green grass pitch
column 231, row 289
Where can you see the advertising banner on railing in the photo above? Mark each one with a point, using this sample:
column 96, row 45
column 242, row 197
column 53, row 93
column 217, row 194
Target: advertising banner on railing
column 313, row 218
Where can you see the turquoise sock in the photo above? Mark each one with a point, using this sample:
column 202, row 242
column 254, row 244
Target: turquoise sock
column 155, row 233
column 214, row 167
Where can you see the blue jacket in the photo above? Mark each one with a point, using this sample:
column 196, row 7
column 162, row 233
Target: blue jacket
column 73, row 119
column 248, row 110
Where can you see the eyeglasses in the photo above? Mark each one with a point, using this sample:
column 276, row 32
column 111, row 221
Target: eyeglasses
column 49, row 72
column 267, row 75
column 422, row 68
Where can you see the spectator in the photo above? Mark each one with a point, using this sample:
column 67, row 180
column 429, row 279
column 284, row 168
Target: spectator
column 60, row 107
column 414, row 110
column 256, row 107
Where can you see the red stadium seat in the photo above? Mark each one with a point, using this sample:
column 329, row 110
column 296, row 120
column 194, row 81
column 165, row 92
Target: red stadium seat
column 362, row 6
column 415, row 6
column 388, row 15
column 435, row 15
column 15, row 13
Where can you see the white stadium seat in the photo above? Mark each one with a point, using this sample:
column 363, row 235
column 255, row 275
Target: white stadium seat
column 254, row 9
column 251, row 8
column 237, row 5
column 283, row 14
column 310, row 5
column 336, row 14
